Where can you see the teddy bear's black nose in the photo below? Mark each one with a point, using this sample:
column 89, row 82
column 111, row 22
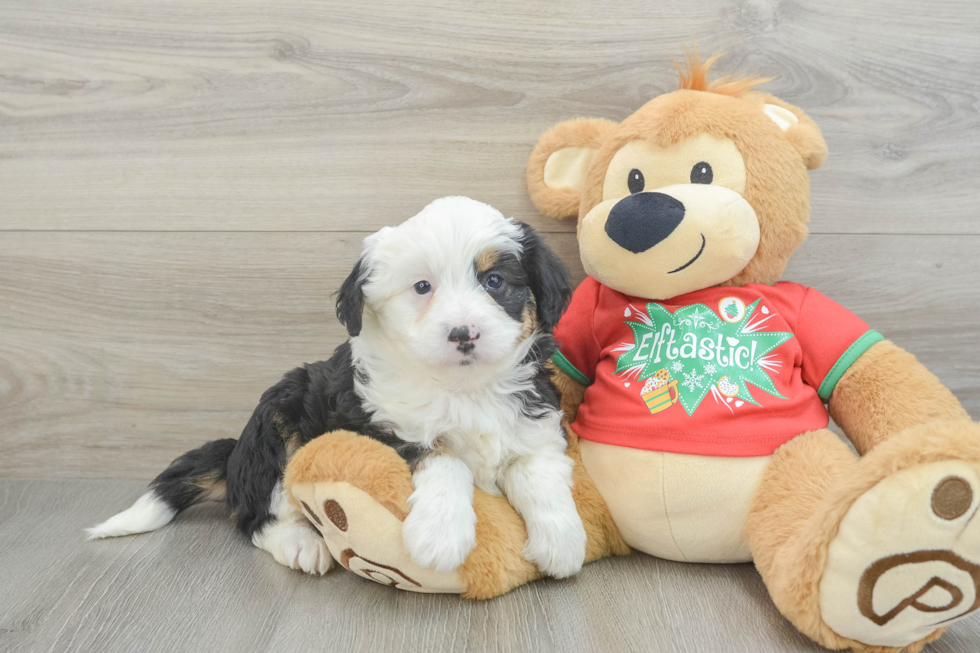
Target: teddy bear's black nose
column 642, row 220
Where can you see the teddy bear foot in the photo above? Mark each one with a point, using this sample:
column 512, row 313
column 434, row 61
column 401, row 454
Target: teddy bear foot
column 905, row 562
column 366, row 538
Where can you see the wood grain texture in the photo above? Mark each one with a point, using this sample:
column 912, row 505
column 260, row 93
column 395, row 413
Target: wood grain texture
column 316, row 115
column 183, row 185
column 198, row 585
column 123, row 350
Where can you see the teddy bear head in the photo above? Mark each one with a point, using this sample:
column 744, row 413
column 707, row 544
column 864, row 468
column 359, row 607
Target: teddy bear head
column 702, row 186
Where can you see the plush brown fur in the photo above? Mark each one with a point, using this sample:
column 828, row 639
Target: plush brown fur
column 805, row 136
column 694, row 77
column 497, row 564
column 806, row 492
column 572, row 393
column 562, row 202
column 870, row 405
column 366, row 464
column 802, row 474
column 776, row 163
column 887, row 403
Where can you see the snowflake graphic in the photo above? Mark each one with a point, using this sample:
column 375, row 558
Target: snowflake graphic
column 692, row 380
column 699, row 320
column 710, row 369
column 677, row 366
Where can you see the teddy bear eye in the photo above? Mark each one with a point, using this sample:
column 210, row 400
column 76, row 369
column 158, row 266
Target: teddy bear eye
column 701, row 173
column 635, row 181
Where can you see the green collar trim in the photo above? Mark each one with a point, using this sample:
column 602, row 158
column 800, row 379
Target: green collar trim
column 559, row 359
column 847, row 359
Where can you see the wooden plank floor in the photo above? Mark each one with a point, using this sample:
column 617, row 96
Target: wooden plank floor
column 197, row 585
column 184, row 184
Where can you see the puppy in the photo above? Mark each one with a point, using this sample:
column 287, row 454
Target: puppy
column 450, row 317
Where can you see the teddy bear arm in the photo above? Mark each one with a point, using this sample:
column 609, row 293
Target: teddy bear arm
column 887, row 391
column 572, row 392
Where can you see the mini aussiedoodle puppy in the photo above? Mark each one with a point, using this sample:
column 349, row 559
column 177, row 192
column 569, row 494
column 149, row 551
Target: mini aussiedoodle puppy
column 450, row 317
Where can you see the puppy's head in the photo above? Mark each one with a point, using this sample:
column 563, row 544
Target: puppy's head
column 457, row 285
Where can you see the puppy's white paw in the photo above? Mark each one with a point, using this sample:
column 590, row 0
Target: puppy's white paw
column 296, row 546
column 556, row 544
column 439, row 532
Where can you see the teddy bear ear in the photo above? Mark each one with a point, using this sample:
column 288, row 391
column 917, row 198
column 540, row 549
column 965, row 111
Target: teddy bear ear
column 802, row 133
column 559, row 163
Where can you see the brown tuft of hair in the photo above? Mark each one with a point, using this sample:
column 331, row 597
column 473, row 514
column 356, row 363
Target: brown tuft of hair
column 694, row 77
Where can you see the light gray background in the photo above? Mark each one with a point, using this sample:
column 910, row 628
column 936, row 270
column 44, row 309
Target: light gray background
column 184, row 184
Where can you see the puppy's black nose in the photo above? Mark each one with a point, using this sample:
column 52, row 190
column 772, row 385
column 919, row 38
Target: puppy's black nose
column 459, row 334
column 463, row 336
column 642, row 220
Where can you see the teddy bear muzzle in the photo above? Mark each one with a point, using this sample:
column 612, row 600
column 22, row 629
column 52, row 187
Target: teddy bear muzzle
column 666, row 242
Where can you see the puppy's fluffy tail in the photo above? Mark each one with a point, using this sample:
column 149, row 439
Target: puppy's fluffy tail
column 198, row 475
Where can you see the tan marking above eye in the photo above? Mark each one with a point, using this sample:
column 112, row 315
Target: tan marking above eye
column 667, row 166
column 529, row 319
column 486, row 259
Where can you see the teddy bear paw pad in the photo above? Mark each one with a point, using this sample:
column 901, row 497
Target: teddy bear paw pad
column 906, row 558
column 366, row 538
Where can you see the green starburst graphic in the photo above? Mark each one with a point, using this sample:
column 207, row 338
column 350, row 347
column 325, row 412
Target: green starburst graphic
column 702, row 351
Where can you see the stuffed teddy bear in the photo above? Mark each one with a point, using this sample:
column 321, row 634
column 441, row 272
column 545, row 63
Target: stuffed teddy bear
column 696, row 387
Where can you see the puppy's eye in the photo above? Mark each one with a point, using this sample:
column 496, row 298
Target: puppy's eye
column 701, row 173
column 493, row 282
column 635, row 181
column 423, row 287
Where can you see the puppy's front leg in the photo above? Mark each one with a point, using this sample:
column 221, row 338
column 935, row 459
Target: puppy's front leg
column 440, row 530
column 539, row 487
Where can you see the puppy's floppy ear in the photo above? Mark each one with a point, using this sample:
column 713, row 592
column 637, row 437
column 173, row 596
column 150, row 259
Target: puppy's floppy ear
column 350, row 299
column 559, row 163
column 547, row 277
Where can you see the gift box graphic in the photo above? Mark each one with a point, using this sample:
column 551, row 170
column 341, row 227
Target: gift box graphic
column 659, row 392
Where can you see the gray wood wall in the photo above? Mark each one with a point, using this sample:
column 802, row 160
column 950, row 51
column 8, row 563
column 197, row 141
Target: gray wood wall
column 184, row 183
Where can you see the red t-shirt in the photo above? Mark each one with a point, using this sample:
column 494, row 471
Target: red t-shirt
column 724, row 371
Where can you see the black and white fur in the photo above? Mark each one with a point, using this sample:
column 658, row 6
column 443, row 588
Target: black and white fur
column 450, row 317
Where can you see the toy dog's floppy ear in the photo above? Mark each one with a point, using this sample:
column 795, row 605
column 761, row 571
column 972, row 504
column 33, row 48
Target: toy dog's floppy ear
column 350, row 299
column 547, row 278
column 802, row 133
column 559, row 163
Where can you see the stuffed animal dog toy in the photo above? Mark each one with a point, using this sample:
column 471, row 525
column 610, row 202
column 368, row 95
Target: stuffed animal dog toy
column 450, row 317
column 698, row 387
